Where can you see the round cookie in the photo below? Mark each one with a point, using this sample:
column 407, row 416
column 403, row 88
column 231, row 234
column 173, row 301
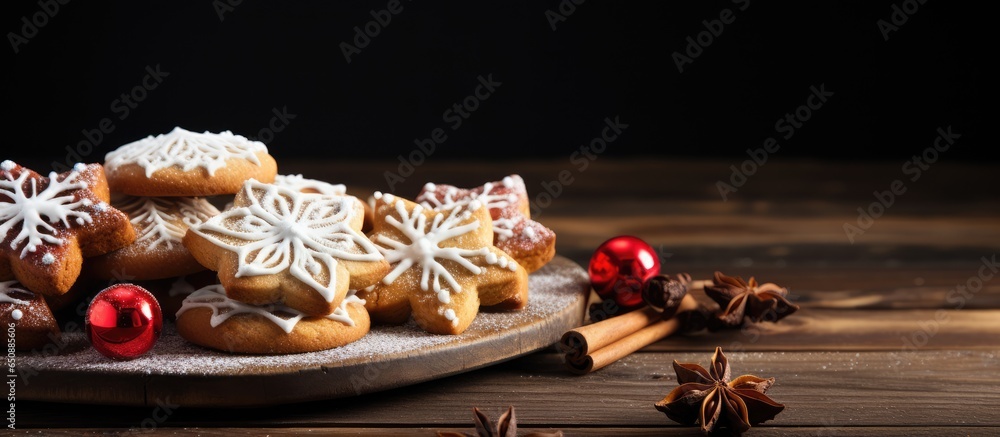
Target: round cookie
column 278, row 246
column 297, row 182
column 157, row 253
column 48, row 225
column 529, row 242
column 208, row 318
column 188, row 164
column 33, row 322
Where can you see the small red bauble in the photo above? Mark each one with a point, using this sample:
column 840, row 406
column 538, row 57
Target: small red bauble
column 620, row 267
column 124, row 321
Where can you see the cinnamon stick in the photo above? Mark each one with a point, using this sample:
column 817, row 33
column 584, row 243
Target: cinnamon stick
column 586, row 339
column 597, row 357
column 582, row 341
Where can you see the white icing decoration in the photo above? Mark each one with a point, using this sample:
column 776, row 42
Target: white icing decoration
column 6, row 287
column 283, row 229
column 214, row 298
column 7, row 165
column 504, row 228
column 298, row 183
column 164, row 221
column 530, row 233
column 186, row 150
column 48, row 259
column 423, row 248
column 449, row 314
column 16, row 314
column 55, row 202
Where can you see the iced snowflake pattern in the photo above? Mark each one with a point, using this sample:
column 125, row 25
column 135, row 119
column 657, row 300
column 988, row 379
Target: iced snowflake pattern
column 424, row 250
column 297, row 182
column 503, row 227
column 282, row 229
column 157, row 225
column 8, row 292
column 185, row 149
column 27, row 207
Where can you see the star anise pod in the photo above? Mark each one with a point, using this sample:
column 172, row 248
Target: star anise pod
column 709, row 398
column 740, row 299
column 506, row 426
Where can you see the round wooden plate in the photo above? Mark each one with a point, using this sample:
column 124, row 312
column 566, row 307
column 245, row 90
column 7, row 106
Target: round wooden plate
column 178, row 372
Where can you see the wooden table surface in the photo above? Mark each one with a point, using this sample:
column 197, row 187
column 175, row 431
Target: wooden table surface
column 885, row 342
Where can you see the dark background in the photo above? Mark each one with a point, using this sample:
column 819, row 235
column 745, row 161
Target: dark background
column 606, row 59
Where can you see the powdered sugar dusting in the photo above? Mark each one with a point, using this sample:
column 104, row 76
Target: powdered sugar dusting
column 558, row 286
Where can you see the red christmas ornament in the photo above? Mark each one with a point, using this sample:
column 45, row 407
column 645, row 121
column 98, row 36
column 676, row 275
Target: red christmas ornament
column 620, row 267
column 124, row 321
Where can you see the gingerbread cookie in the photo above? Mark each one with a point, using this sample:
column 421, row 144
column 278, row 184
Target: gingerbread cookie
column 529, row 242
column 157, row 253
column 444, row 266
column 281, row 246
column 49, row 225
column 83, row 286
column 208, row 317
column 188, row 164
column 34, row 325
column 298, row 183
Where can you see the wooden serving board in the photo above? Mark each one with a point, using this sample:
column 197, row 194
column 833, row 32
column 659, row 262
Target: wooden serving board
column 178, row 372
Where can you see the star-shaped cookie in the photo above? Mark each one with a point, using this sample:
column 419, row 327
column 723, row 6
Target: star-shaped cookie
column 529, row 242
column 279, row 246
column 444, row 266
column 49, row 224
column 28, row 314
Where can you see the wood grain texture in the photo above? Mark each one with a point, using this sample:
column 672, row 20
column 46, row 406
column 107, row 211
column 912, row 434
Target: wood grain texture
column 902, row 431
column 820, row 389
column 842, row 364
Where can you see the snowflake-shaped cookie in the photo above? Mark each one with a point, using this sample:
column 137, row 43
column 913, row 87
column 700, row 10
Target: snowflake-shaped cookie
column 281, row 246
column 527, row 241
column 299, row 183
column 444, row 265
column 49, row 224
column 30, row 315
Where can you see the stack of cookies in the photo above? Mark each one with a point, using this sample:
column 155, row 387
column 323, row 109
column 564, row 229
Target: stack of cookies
column 290, row 266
